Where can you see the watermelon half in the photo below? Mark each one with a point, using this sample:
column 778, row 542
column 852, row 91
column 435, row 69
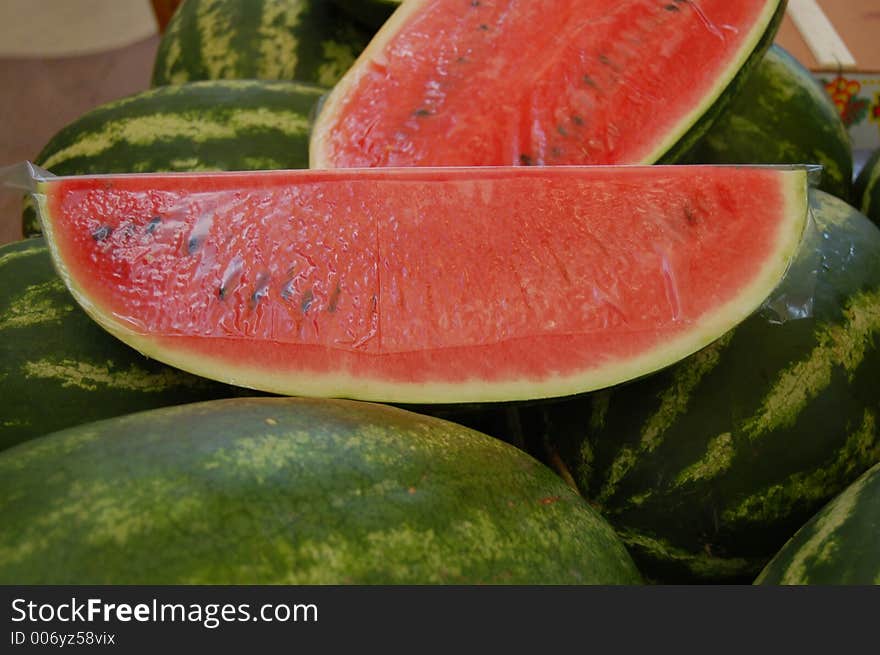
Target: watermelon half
column 454, row 82
column 425, row 285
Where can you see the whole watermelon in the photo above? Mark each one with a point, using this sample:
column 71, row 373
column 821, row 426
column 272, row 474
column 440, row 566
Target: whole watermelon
column 707, row 467
column 840, row 545
column 304, row 40
column 203, row 126
column 293, row 491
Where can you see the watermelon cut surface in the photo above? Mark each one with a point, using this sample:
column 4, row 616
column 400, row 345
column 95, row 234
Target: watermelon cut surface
column 450, row 82
column 425, row 285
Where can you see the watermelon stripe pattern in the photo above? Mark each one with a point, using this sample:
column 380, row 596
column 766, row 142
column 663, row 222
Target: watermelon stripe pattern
column 305, row 40
column 293, row 491
column 708, row 467
column 54, row 357
column 837, row 546
column 202, row 126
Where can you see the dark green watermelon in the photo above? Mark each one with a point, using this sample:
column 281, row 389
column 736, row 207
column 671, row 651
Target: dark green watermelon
column 708, row 467
column 293, row 491
column 840, row 545
column 305, row 40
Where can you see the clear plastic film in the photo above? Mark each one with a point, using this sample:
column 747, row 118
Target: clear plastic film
column 793, row 298
column 440, row 269
column 23, row 177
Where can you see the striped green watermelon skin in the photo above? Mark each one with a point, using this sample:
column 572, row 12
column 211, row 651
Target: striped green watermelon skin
column 58, row 368
column 840, row 545
column 304, row 40
column 202, row 126
column 867, row 188
column 781, row 115
column 709, row 466
column 293, row 491
column 370, row 13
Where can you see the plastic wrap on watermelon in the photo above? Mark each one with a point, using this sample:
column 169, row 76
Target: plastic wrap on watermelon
column 23, row 176
column 431, row 284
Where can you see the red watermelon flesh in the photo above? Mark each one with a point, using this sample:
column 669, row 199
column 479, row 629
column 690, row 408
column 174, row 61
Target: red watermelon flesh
column 425, row 285
column 505, row 82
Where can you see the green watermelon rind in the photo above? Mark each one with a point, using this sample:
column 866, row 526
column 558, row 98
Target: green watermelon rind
column 293, row 491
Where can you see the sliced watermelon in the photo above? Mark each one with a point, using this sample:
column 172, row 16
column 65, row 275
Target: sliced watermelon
column 425, row 285
column 453, row 82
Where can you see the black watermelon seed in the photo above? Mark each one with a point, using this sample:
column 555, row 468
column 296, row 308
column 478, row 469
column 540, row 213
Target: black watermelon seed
column 153, row 224
column 261, row 289
column 102, row 233
column 308, row 298
column 671, row 7
column 526, row 160
column 690, row 216
column 334, row 299
column 422, row 112
column 193, row 244
column 577, row 120
column 589, row 81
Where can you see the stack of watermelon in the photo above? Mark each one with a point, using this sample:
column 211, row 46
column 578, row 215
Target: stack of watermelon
column 688, row 351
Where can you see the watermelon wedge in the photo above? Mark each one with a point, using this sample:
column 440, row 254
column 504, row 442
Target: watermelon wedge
column 543, row 82
column 425, row 285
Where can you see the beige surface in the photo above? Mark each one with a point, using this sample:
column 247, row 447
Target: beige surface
column 43, row 95
column 54, row 28
column 857, row 22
